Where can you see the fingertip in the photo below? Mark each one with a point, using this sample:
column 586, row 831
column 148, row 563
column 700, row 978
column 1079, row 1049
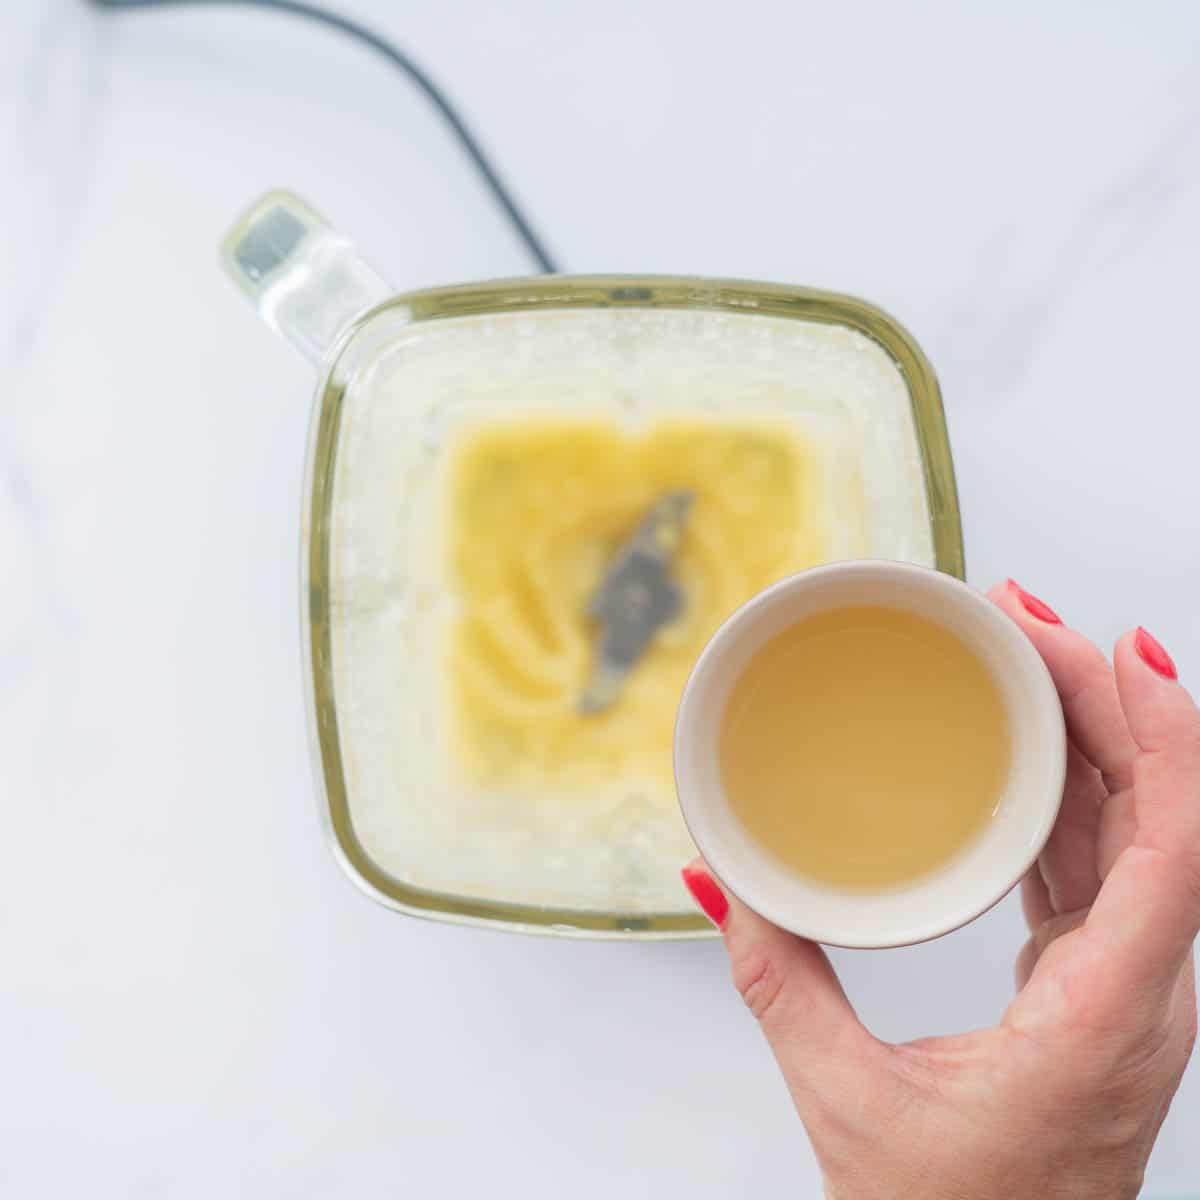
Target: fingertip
column 1160, row 712
column 1151, row 651
column 1005, row 596
column 706, row 892
column 1000, row 594
column 1029, row 611
column 1140, row 660
column 1033, row 605
column 724, row 909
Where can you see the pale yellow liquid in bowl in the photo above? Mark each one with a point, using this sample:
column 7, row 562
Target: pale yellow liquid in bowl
column 864, row 747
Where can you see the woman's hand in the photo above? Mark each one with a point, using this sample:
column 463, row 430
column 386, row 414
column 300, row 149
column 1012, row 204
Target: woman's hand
column 1064, row 1097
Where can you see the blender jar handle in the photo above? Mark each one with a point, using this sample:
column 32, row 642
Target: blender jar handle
column 306, row 280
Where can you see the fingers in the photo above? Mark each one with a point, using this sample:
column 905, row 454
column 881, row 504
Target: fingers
column 1068, row 861
column 1040, row 938
column 1118, row 825
column 1165, row 724
column 1095, row 721
column 1148, row 911
column 1035, row 898
column 789, row 985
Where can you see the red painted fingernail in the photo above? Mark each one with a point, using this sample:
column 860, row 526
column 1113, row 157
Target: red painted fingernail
column 1034, row 606
column 1153, row 655
column 707, row 894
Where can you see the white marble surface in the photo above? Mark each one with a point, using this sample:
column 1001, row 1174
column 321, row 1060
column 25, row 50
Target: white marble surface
column 193, row 1001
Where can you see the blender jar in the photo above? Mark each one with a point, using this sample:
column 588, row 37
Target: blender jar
column 479, row 458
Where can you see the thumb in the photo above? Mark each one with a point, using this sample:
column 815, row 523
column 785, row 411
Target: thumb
column 789, row 985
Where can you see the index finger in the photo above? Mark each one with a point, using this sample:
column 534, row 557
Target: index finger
column 1086, row 686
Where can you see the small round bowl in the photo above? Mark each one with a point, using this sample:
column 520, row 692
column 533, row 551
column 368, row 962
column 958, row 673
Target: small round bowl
column 984, row 871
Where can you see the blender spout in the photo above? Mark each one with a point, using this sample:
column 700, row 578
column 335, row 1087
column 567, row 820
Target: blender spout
column 306, row 280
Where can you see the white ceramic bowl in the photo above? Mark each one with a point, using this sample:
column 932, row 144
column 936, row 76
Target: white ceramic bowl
column 982, row 873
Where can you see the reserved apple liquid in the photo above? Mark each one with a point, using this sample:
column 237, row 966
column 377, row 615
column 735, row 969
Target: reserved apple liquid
column 864, row 747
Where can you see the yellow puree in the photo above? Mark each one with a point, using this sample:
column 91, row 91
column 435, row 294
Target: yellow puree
column 536, row 510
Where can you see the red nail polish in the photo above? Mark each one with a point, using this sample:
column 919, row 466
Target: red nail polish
column 707, row 894
column 1034, row 606
column 1153, row 655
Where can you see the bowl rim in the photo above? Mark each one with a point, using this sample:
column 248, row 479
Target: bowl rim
column 694, row 799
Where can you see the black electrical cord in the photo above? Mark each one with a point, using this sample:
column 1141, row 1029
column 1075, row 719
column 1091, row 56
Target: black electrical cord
column 400, row 60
